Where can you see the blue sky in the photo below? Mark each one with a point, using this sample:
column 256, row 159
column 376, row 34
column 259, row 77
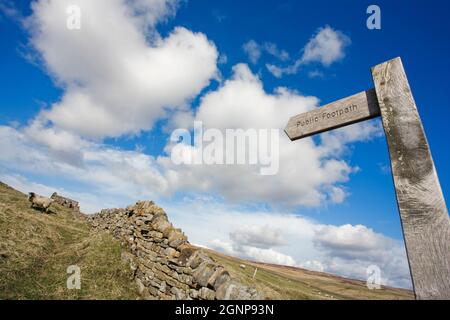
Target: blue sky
column 35, row 82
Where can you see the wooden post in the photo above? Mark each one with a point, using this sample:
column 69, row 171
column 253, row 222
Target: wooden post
column 423, row 213
column 254, row 273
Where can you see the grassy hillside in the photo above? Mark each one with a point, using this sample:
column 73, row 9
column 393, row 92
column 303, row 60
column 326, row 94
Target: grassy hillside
column 281, row 282
column 36, row 249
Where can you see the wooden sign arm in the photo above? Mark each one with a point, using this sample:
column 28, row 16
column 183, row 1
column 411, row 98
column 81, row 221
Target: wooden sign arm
column 359, row 107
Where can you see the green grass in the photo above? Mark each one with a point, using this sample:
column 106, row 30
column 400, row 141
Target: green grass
column 36, row 249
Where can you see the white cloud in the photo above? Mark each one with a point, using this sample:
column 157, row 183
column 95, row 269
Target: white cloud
column 346, row 250
column 255, row 50
column 350, row 241
column 244, row 94
column 223, row 59
column 118, row 74
column 263, row 237
column 61, row 144
column 276, row 71
column 255, row 242
column 308, row 173
column 252, row 253
column 267, row 256
column 313, row 265
column 125, row 176
column 337, row 195
column 363, row 131
column 349, row 250
column 326, row 47
column 121, row 84
column 316, row 74
column 272, row 49
column 149, row 12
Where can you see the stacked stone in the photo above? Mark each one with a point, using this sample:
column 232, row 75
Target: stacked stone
column 66, row 202
column 166, row 266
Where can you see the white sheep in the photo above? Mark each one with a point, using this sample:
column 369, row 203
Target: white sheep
column 39, row 202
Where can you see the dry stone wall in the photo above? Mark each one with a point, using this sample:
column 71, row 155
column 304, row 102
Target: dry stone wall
column 166, row 266
column 66, row 202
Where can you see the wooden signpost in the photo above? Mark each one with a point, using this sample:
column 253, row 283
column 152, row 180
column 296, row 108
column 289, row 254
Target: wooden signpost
column 423, row 213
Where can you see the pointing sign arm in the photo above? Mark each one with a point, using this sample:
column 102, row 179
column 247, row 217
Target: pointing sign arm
column 357, row 108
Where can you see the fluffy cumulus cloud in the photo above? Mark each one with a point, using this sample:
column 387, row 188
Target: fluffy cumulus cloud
column 104, row 168
column 325, row 47
column 252, row 253
column 255, row 242
column 242, row 102
column 257, row 236
column 118, row 73
column 348, row 249
column 115, row 177
column 283, row 238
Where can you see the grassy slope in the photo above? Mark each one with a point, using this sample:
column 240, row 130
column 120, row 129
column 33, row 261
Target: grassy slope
column 280, row 282
column 36, row 249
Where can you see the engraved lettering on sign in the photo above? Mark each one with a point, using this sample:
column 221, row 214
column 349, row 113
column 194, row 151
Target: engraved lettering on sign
column 340, row 112
column 327, row 115
column 307, row 122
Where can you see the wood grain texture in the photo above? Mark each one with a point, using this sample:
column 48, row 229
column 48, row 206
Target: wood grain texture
column 357, row 108
column 424, row 215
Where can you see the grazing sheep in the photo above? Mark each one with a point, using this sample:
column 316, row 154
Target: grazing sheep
column 38, row 202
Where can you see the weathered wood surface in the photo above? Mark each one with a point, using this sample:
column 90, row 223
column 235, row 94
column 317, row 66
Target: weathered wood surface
column 424, row 216
column 359, row 107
